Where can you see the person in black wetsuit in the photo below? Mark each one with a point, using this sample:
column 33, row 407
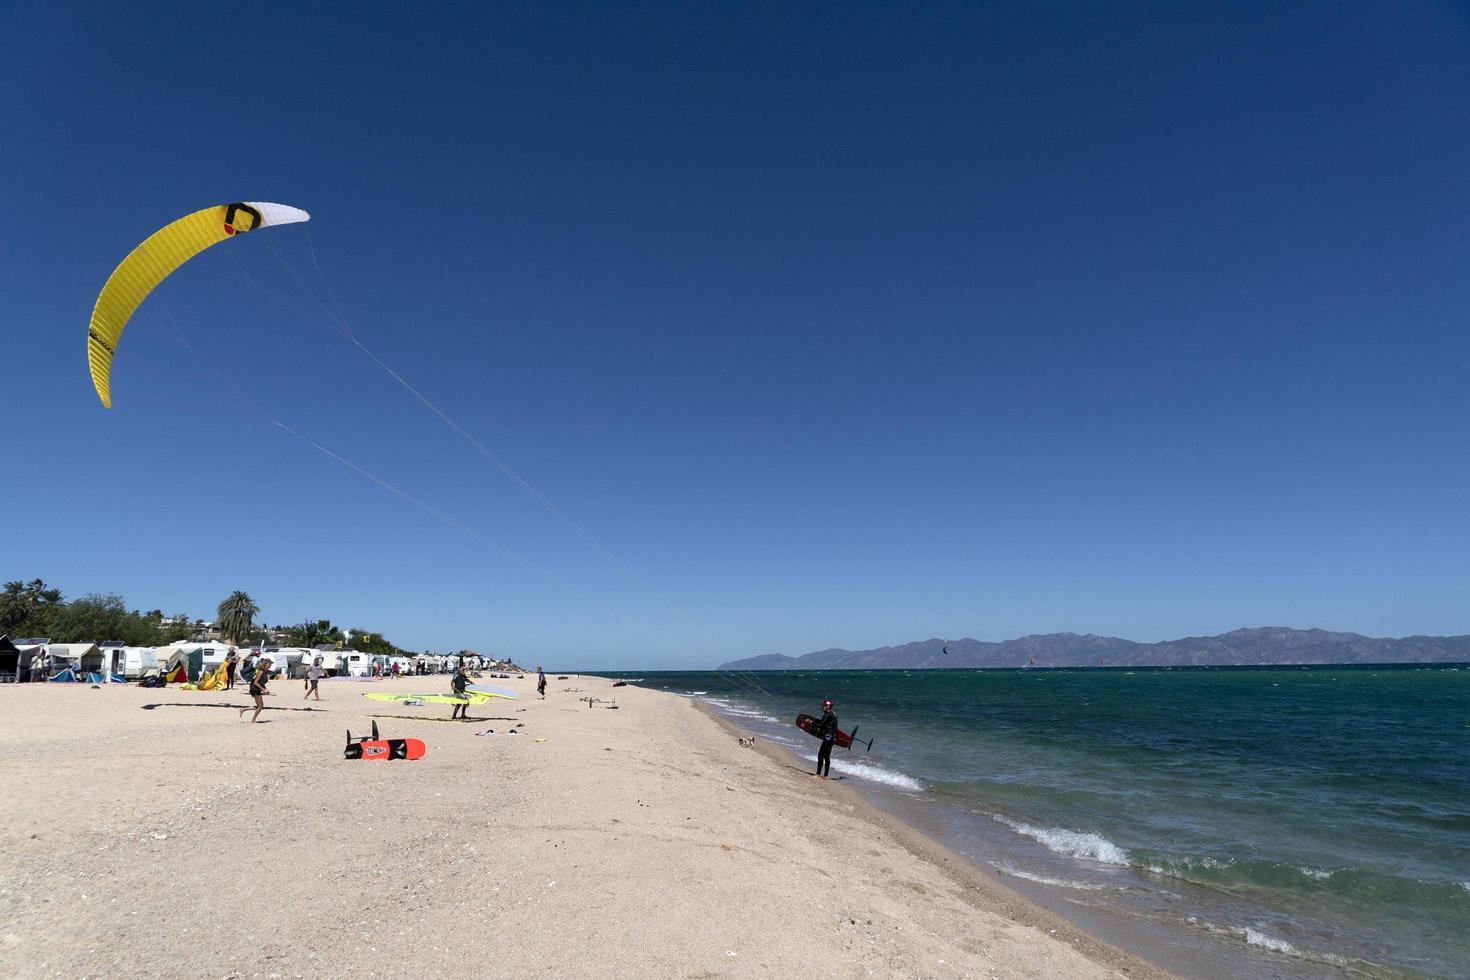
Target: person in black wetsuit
column 827, row 732
column 459, row 683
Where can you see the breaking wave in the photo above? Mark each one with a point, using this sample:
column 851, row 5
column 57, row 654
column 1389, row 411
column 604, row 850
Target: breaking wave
column 1072, row 843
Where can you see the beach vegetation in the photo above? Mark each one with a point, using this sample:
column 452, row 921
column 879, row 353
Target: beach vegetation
column 313, row 633
column 236, row 615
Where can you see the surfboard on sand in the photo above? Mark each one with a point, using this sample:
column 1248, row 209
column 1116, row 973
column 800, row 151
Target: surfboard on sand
column 474, row 697
column 491, row 692
column 810, row 725
column 372, row 747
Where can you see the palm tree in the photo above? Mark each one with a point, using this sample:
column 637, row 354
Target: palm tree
column 14, row 609
column 236, row 615
column 313, row 633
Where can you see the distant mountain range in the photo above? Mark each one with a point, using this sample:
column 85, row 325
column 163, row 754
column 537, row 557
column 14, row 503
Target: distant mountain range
column 1264, row 645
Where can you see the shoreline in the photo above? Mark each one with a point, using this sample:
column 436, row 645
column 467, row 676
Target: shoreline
column 151, row 833
column 917, row 822
column 982, row 890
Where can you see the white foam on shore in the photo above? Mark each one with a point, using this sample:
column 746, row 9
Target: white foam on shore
column 1072, row 843
column 1317, row 874
column 1015, row 872
column 727, row 707
column 875, row 773
column 1257, row 938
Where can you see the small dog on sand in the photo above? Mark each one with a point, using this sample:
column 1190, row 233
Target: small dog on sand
column 747, row 741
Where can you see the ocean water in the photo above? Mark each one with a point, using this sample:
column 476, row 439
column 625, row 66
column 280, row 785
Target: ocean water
column 1315, row 819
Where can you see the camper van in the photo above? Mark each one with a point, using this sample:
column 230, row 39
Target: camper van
column 290, row 662
column 128, row 662
column 358, row 664
column 332, row 662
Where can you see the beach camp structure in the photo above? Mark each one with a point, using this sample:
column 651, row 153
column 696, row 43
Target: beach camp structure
column 32, row 661
column 211, row 652
column 332, row 661
column 355, row 663
column 10, row 661
column 127, row 662
column 183, row 664
column 82, row 659
column 290, row 661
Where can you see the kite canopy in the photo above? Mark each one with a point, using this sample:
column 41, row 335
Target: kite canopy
column 153, row 261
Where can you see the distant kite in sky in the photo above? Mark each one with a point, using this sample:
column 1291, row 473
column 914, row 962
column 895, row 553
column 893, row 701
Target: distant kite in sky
column 153, row 261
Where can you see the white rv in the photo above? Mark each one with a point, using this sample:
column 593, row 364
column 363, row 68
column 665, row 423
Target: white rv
column 290, row 661
column 359, row 664
column 128, row 662
column 332, row 662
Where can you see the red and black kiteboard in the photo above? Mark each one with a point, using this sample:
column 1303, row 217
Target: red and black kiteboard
column 811, row 725
column 373, row 747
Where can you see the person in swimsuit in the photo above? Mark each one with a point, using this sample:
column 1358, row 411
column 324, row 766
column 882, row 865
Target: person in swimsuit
column 459, row 683
column 827, row 732
column 257, row 689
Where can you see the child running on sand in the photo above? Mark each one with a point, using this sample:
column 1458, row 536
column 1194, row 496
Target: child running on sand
column 257, row 689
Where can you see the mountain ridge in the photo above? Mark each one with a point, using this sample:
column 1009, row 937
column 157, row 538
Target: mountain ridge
column 1249, row 646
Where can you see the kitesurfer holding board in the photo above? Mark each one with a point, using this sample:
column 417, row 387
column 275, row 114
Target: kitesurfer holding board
column 827, row 732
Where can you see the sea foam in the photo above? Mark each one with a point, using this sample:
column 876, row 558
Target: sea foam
column 1015, row 872
column 875, row 773
column 1072, row 843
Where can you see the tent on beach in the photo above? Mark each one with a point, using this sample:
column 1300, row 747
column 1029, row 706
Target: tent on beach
column 82, row 658
column 184, row 665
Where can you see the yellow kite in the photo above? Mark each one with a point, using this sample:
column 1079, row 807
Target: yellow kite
column 153, row 261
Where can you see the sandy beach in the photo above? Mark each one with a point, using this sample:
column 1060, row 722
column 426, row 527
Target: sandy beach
column 151, row 833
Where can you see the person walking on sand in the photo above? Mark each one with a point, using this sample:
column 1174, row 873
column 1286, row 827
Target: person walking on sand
column 827, row 732
column 540, row 683
column 458, row 683
column 313, row 676
column 232, row 660
column 257, row 689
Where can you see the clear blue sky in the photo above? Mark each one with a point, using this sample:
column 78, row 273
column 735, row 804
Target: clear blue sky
column 841, row 325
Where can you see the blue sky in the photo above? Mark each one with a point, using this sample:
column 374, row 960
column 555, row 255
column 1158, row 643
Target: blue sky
column 838, row 325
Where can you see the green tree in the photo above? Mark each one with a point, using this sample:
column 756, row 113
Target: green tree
column 236, row 615
column 180, row 629
column 27, row 608
column 14, row 609
column 95, row 618
column 313, row 633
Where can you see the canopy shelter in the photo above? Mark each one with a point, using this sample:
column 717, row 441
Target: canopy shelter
column 32, row 666
column 86, row 657
column 9, row 661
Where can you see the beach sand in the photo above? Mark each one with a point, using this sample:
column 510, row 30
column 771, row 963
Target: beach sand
column 150, row 833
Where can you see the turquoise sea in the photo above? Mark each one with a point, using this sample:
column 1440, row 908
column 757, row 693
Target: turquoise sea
column 1295, row 821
